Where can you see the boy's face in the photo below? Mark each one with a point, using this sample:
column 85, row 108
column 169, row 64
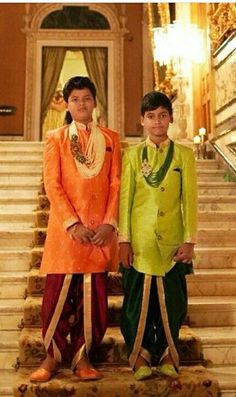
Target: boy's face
column 80, row 105
column 156, row 122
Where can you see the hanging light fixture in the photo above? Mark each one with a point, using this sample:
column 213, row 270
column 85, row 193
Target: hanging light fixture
column 179, row 45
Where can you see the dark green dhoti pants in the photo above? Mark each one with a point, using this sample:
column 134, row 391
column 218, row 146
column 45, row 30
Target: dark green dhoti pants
column 164, row 299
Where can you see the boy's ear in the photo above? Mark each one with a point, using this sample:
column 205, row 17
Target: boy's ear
column 171, row 119
column 141, row 120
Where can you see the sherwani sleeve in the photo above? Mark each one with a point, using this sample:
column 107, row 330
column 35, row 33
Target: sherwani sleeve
column 189, row 197
column 111, row 215
column 60, row 204
column 126, row 199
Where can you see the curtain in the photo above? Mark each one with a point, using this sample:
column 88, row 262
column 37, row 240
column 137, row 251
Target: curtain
column 96, row 64
column 53, row 58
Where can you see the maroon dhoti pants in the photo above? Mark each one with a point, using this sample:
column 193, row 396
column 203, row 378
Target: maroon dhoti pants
column 74, row 305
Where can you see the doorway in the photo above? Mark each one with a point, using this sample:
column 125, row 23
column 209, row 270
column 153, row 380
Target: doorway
column 91, row 62
column 40, row 36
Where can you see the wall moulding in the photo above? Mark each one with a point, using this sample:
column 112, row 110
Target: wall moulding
column 109, row 11
column 225, row 80
column 37, row 38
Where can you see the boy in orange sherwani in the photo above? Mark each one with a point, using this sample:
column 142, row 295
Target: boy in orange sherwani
column 82, row 177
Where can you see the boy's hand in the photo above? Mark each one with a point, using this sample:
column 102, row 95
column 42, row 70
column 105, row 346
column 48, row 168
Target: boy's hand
column 81, row 233
column 126, row 255
column 102, row 235
column 184, row 253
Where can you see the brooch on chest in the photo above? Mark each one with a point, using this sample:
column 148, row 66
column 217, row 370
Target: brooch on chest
column 76, row 150
column 154, row 178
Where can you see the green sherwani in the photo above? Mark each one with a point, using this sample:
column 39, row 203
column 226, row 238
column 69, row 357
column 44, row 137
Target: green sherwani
column 157, row 220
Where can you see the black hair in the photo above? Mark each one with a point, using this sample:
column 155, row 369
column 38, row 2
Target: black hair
column 78, row 83
column 68, row 119
column 153, row 100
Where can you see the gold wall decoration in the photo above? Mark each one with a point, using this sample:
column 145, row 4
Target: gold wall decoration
column 222, row 22
column 164, row 12
column 166, row 85
column 151, row 26
column 159, row 16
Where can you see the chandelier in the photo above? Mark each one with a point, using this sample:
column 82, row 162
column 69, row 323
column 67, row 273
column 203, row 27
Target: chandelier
column 179, row 44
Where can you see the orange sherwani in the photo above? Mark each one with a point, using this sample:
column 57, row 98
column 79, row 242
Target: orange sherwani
column 92, row 201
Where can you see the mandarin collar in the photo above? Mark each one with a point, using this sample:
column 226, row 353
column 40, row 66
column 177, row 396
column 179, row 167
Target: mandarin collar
column 163, row 144
column 84, row 127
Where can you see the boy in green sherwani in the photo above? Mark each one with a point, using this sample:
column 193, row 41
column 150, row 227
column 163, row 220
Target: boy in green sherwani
column 157, row 232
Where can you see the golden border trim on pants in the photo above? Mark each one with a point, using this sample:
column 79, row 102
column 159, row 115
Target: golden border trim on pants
column 142, row 321
column 87, row 303
column 58, row 310
column 165, row 321
column 56, row 352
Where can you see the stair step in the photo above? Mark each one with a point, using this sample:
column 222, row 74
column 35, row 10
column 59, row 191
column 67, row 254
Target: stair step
column 37, row 253
column 203, row 311
column 208, row 178
column 218, row 344
column 13, row 285
column 36, row 281
column 207, row 282
column 23, row 157
column 42, row 218
column 11, row 259
column 207, row 164
column 23, row 205
column 23, row 160
column 218, row 219
column 23, row 193
column 119, row 381
column 212, row 311
column 210, row 172
column 25, row 185
column 225, row 237
column 9, row 348
column 210, row 175
column 10, row 201
column 11, row 313
column 21, row 147
column 17, row 217
column 215, row 257
column 16, row 239
column 23, row 169
column 24, row 179
column 9, row 339
column 32, row 311
column 206, row 257
column 7, row 379
column 226, row 376
column 210, row 282
column 216, row 188
column 112, row 350
column 217, row 203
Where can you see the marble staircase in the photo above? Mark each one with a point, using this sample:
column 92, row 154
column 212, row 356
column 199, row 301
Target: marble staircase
column 212, row 296
column 212, row 303
column 20, row 176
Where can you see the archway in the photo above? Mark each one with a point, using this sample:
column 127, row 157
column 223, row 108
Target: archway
column 38, row 38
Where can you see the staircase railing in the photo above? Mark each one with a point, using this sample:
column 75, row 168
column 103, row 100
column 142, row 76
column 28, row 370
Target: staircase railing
column 225, row 146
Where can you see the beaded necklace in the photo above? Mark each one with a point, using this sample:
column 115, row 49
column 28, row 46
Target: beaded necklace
column 154, row 178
